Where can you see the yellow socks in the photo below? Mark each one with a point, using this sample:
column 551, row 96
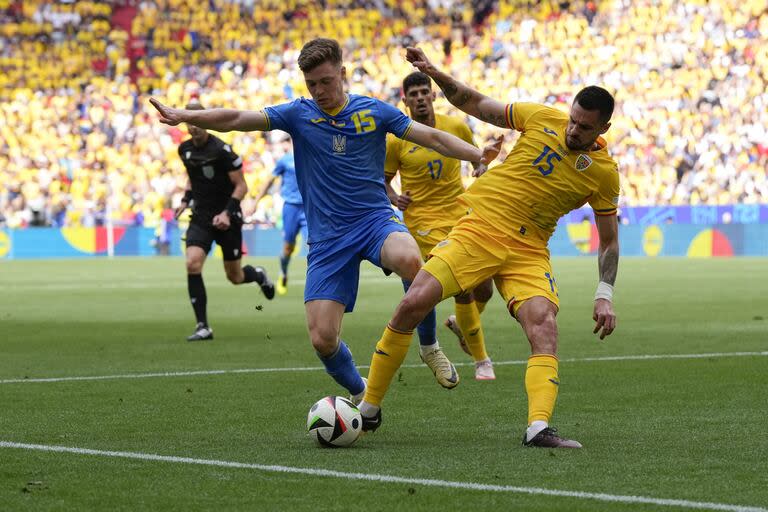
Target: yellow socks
column 389, row 355
column 541, row 384
column 468, row 318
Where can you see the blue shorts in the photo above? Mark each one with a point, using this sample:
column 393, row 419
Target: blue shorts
column 293, row 221
column 333, row 266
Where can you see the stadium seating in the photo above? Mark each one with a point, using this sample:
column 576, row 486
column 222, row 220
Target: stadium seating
column 78, row 140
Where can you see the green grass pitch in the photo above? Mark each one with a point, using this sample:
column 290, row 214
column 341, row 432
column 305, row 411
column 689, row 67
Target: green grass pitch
column 690, row 429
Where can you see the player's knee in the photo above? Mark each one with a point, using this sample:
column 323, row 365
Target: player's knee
column 410, row 266
column 194, row 266
column 324, row 339
column 541, row 330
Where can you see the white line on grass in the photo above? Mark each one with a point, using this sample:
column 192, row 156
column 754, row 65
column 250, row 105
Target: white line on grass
column 192, row 373
column 146, row 285
column 615, row 498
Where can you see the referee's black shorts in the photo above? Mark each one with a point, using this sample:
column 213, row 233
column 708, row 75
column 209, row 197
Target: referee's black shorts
column 203, row 236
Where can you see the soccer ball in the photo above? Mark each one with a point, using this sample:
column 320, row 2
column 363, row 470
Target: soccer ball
column 334, row 421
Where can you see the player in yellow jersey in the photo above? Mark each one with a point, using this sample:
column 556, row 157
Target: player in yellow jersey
column 430, row 184
column 559, row 163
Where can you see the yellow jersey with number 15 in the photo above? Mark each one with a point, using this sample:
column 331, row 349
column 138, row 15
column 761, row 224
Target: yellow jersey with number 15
column 542, row 179
column 433, row 180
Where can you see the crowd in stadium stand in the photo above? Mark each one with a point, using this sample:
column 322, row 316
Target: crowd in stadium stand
column 80, row 143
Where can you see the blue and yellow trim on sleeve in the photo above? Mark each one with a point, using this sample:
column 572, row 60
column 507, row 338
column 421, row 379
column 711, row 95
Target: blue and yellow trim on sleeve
column 508, row 115
column 407, row 130
column 606, row 212
column 269, row 123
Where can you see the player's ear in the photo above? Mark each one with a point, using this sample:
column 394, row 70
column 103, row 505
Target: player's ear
column 605, row 128
column 434, row 95
column 343, row 72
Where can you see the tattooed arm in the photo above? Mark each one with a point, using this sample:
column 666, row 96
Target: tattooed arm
column 608, row 266
column 460, row 95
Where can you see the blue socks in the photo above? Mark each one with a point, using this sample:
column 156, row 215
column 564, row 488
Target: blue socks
column 284, row 264
column 427, row 329
column 342, row 368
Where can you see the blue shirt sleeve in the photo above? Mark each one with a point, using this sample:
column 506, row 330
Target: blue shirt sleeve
column 279, row 169
column 395, row 121
column 281, row 117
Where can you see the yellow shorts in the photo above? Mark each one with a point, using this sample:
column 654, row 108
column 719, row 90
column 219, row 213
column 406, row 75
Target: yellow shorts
column 474, row 251
column 428, row 239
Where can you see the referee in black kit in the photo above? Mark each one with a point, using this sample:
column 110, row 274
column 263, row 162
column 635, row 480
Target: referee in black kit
column 214, row 190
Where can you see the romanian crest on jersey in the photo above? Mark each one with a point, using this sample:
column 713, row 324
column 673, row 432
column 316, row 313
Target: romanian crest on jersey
column 340, row 144
column 582, row 162
column 208, row 171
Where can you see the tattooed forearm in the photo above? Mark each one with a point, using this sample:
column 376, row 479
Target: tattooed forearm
column 447, row 85
column 489, row 117
column 455, row 92
column 608, row 264
column 471, row 101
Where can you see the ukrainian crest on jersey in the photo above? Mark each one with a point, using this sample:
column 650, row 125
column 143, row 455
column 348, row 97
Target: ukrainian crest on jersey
column 208, row 171
column 340, row 144
column 582, row 162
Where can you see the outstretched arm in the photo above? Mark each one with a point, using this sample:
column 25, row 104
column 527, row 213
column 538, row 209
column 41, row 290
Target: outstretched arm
column 461, row 95
column 264, row 189
column 450, row 145
column 608, row 266
column 218, row 119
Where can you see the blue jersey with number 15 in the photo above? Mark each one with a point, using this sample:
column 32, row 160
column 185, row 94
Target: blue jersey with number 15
column 339, row 159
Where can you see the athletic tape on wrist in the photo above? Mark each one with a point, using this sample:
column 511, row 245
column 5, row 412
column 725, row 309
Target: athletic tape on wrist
column 604, row 291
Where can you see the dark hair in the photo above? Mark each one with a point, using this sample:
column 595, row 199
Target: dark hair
column 414, row 79
column 596, row 98
column 194, row 105
column 318, row 51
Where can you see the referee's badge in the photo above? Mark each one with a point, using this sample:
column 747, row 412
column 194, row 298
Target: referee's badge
column 582, row 162
column 208, row 171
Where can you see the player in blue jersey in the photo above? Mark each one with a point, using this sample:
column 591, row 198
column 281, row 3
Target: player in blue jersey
column 339, row 148
column 293, row 208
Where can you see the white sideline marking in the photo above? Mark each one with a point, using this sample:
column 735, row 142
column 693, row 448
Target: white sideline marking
column 616, row 498
column 96, row 285
column 192, row 373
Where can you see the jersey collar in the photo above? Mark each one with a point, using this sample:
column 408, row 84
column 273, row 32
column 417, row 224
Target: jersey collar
column 335, row 111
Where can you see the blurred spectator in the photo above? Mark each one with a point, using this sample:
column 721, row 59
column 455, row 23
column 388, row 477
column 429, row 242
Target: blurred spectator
column 690, row 79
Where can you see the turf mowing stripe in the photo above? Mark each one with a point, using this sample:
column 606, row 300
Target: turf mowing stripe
column 192, row 373
column 615, row 498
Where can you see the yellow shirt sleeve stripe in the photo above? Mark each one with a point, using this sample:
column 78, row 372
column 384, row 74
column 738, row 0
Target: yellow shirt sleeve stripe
column 269, row 123
column 605, row 212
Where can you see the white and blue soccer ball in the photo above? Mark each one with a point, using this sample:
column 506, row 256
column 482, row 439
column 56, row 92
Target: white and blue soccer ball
column 334, row 421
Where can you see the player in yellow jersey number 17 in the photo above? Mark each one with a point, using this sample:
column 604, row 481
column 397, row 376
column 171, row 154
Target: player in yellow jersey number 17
column 558, row 164
column 431, row 184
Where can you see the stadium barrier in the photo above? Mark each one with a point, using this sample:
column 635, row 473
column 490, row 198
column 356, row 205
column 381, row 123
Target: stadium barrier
column 571, row 239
